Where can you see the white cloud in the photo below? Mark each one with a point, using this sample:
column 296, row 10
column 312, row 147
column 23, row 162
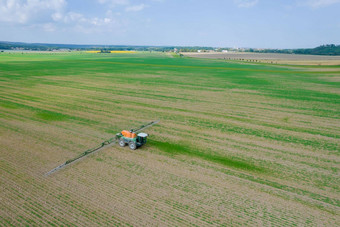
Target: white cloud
column 129, row 7
column 74, row 17
column 135, row 8
column 49, row 27
column 114, row 3
column 319, row 3
column 246, row 3
column 77, row 22
column 51, row 15
column 24, row 11
column 100, row 21
column 57, row 16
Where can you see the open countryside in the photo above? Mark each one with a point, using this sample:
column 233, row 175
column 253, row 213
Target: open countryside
column 238, row 143
column 273, row 58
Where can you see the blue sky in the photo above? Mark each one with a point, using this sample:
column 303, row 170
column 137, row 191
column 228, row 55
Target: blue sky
column 217, row 23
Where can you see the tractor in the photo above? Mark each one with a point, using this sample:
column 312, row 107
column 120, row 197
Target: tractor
column 125, row 137
column 131, row 137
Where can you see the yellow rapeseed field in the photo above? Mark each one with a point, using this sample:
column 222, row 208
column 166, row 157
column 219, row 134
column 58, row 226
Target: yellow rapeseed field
column 93, row 51
column 113, row 51
column 122, row 51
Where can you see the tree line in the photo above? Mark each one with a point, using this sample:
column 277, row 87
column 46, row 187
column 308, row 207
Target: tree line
column 328, row 49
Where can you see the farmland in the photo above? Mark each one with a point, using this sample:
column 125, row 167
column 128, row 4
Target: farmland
column 295, row 59
column 239, row 144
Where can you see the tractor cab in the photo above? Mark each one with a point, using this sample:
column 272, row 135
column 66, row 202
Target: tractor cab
column 141, row 138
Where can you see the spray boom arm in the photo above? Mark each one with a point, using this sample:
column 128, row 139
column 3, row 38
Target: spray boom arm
column 104, row 144
column 144, row 126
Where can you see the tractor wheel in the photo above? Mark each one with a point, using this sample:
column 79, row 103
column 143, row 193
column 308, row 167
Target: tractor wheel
column 121, row 143
column 132, row 146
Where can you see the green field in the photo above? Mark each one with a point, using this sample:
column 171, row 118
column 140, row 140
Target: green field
column 238, row 144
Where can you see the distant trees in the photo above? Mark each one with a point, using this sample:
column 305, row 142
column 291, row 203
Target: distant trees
column 105, row 51
column 329, row 49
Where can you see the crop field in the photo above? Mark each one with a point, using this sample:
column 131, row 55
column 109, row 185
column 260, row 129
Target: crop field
column 238, row 144
column 295, row 59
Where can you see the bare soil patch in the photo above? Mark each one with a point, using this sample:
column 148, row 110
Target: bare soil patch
column 295, row 59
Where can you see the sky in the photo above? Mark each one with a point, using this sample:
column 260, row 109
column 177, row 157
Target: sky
column 214, row 23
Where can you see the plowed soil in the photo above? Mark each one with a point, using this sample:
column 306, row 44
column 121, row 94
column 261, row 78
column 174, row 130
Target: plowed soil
column 295, row 59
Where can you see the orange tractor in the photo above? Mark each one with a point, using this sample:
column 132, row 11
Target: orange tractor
column 131, row 137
